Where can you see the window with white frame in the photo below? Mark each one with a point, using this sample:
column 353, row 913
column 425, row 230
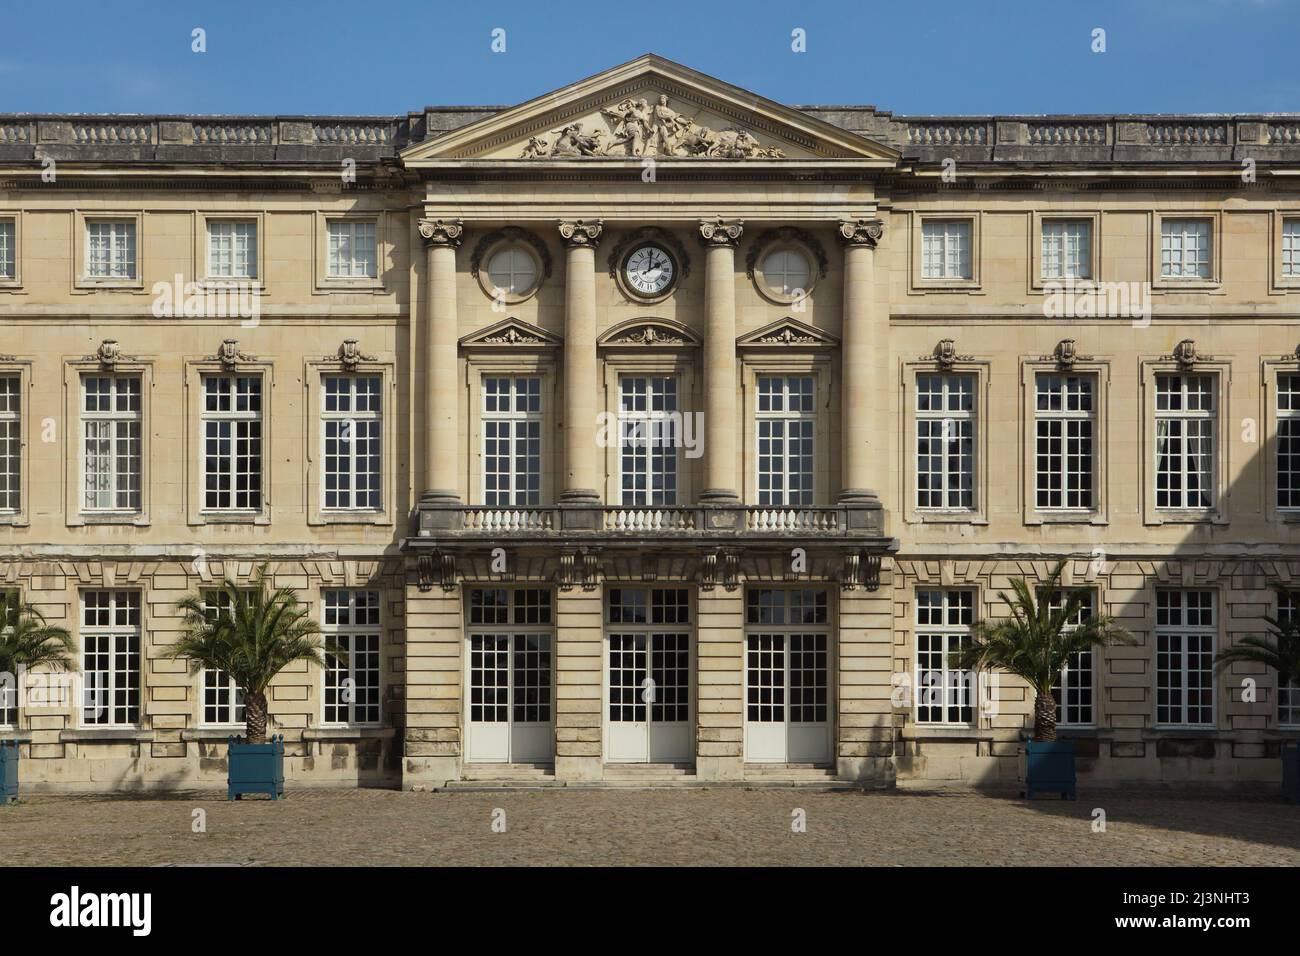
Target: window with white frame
column 512, row 441
column 11, row 443
column 1074, row 689
column 1064, row 432
column 10, row 601
column 1185, row 248
column 232, row 442
column 1288, row 441
column 786, row 425
column 1067, row 249
column 351, row 625
column 648, row 439
column 1185, row 427
column 1288, row 692
column 1291, row 248
column 944, row 694
column 110, row 658
column 352, row 442
column 232, row 249
column 352, row 252
column 110, row 248
column 945, row 442
column 946, row 249
column 223, row 699
column 1185, row 632
column 110, row 449
column 8, row 249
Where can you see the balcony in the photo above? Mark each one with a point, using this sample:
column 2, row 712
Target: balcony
column 582, row 544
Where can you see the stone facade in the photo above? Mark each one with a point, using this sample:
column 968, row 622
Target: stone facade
column 717, row 181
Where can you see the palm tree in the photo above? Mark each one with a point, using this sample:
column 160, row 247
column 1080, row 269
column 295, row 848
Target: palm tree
column 1279, row 649
column 28, row 641
column 255, row 635
column 1036, row 642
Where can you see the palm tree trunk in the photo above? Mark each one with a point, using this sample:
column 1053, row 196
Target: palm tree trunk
column 1044, row 717
column 255, row 718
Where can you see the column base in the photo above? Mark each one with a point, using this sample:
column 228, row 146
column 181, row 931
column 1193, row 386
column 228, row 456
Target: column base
column 719, row 497
column 580, row 497
column 858, row 496
column 580, row 510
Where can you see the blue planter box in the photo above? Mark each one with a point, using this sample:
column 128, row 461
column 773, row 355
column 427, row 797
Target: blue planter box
column 1291, row 772
column 255, row 768
column 1050, row 768
column 8, row 771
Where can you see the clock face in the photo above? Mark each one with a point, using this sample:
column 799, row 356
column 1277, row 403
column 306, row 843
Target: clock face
column 649, row 271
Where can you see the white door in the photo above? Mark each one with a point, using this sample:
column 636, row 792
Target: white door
column 648, row 717
column 510, row 700
column 787, row 706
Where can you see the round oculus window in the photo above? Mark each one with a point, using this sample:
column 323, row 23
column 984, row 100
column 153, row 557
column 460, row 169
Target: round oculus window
column 787, row 273
column 512, row 270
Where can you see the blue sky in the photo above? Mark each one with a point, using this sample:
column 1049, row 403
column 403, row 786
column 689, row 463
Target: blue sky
column 390, row 56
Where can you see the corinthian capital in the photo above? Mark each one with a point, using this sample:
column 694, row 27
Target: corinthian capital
column 442, row 232
column 581, row 232
column 861, row 232
column 721, row 232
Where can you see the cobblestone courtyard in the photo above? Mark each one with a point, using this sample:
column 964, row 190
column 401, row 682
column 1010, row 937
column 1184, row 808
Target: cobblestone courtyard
column 665, row 827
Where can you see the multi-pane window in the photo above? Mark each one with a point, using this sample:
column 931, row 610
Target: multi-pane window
column 1185, row 248
column 786, row 422
column 787, row 655
column 1067, row 249
column 110, row 662
column 649, row 650
column 512, row 271
column 232, row 250
column 110, row 249
column 945, row 442
column 232, row 442
column 351, row 253
column 223, row 699
column 512, row 441
column 11, row 443
column 10, row 601
column 350, row 623
column 648, row 439
column 1064, row 430
column 1288, row 441
column 1291, row 248
column 352, row 442
column 110, row 449
column 510, row 655
column 1185, row 631
column 1185, row 411
column 787, row 272
column 1074, row 689
column 8, row 249
column 1288, row 693
column 946, row 249
column 944, row 694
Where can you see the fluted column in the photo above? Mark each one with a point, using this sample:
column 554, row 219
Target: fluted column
column 863, row 351
column 442, row 237
column 721, row 424
column 582, row 475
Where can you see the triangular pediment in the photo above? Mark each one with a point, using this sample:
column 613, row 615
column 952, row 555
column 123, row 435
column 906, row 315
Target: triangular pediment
column 648, row 107
column 511, row 333
column 787, row 333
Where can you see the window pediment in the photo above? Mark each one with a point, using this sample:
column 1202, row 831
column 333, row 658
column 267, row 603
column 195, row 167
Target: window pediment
column 788, row 333
column 649, row 333
column 511, row 334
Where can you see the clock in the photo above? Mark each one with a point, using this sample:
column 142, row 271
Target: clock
column 649, row 271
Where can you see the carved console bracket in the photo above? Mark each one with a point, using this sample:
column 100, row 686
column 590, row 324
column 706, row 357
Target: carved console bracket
column 229, row 355
column 350, row 355
column 579, row 568
column 1186, row 355
column 720, row 567
column 439, row 567
column 861, row 570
